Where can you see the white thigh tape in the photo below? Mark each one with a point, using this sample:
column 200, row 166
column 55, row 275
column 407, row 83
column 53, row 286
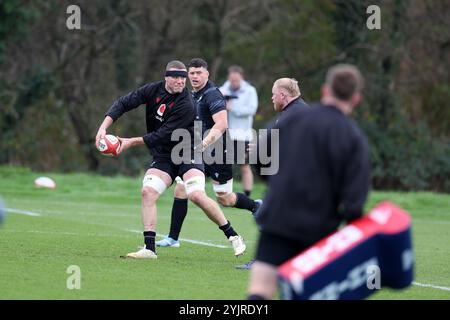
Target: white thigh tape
column 224, row 188
column 154, row 182
column 179, row 180
column 195, row 184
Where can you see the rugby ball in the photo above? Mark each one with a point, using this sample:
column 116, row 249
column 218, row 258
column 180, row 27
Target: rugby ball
column 45, row 182
column 109, row 145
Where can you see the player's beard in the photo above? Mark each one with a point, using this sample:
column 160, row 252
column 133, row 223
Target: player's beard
column 278, row 107
column 177, row 89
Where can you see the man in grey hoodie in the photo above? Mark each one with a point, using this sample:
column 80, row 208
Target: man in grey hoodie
column 242, row 103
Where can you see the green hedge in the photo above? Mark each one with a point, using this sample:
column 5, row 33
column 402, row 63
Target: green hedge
column 407, row 157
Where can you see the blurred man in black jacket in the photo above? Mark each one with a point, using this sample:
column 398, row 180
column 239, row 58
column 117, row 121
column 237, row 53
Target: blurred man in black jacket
column 323, row 179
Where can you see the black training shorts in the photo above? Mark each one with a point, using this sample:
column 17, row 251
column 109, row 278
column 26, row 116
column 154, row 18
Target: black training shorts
column 220, row 173
column 276, row 250
column 175, row 170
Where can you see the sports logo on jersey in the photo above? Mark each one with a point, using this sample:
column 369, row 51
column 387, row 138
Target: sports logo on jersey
column 161, row 110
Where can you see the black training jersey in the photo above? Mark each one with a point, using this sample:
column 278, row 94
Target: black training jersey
column 165, row 112
column 208, row 101
column 323, row 177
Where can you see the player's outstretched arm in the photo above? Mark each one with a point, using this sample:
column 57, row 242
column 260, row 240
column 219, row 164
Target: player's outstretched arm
column 220, row 126
column 126, row 143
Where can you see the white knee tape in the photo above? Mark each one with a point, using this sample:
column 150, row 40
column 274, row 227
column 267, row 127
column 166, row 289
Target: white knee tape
column 179, row 180
column 195, row 184
column 226, row 188
column 154, row 182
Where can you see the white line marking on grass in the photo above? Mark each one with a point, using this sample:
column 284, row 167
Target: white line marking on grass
column 44, row 232
column 431, row 286
column 432, row 221
column 61, row 233
column 189, row 240
column 28, row 213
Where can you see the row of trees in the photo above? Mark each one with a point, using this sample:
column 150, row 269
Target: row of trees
column 56, row 84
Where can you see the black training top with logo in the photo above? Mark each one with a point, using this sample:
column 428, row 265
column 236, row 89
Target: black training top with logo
column 208, row 101
column 165, row 112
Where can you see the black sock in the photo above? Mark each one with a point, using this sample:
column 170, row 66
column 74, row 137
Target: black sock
column 244, row 202
column 179, row 211
column 149, row 240
column 228, row 230
column 248, row 192
column 255, row 297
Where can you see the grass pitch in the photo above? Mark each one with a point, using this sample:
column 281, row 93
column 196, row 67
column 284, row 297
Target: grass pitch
column 89, row 221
